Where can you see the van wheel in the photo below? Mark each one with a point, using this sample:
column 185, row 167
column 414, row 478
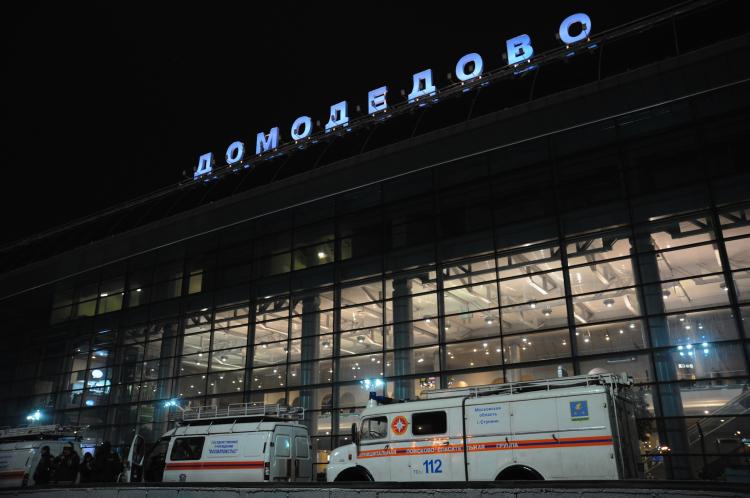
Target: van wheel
column 519, row 473
column 354, row 474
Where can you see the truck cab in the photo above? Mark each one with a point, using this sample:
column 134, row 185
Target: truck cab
column 241, row 443
column 579, row 427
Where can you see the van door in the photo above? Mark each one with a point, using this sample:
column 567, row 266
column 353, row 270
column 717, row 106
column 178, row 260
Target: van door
column 133, row 470
column 302, row 454
column 431, row 458
column 280, row 456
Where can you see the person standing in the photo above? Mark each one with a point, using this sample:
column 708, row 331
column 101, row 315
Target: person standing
column 66, row 465
column 43, row 472
column 106, row 465
column 86, row 467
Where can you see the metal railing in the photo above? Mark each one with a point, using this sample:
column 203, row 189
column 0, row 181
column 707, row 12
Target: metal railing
column 533, row 385
column 39, row 431
column 278, row 411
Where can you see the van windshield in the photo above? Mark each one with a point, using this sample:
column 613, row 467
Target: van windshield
column 374, row 428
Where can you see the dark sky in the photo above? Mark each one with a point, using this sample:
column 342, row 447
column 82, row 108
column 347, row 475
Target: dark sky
column 106, row 101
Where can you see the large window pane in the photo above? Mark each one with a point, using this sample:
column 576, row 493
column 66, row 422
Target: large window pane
column 270, row 353
column 472, row 325
column 366, row 315
column 472, row 298
column 637, row 366
column 531, row 288
column 605, row 306
column 528, row 261
column 417, row 333
column 610, row 337
column 361, row 341
column 534, row 347
column 474, row 354
column 696, row 292
column 599, row 248
column 738, row 252
column 534, row 316
column 601, row 276
column 470, row 272
column 271, row 331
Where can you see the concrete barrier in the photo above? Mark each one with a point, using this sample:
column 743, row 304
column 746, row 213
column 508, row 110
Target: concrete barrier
column 369, row 492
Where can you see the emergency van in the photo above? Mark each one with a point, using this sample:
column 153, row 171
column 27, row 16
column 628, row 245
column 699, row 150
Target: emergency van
column 580, row 427
column 243, row 442
column 21, row 448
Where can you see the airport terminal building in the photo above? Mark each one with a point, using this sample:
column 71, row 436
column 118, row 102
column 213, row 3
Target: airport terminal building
column 591, row 213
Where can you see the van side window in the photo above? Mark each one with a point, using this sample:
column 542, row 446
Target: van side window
column 429, row 423
column 374, row 428
column 302, row 449
column 187, row 448
column 283, row 446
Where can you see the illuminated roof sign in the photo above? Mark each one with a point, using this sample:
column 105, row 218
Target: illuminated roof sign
column 469, row 69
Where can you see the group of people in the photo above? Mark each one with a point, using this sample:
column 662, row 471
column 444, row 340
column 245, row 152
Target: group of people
column 103, row 466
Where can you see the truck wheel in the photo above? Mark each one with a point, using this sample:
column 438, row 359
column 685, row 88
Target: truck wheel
column 519, row 473
column 354, row 474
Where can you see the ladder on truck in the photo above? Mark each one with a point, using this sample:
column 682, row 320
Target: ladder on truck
column 613, row 381
column 244, row 410
column 39, row 432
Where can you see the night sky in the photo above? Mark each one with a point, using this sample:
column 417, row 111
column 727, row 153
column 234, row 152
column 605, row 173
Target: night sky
column 106, row 101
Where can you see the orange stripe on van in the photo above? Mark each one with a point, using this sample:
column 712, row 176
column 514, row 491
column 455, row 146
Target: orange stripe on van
column 214, row 465
column 12, row 474
column 519, row 444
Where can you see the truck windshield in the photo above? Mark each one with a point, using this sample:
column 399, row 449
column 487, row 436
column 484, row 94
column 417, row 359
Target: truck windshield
column 374, row 428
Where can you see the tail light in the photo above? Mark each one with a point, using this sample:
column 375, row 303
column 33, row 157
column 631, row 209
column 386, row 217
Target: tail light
column 267, row 471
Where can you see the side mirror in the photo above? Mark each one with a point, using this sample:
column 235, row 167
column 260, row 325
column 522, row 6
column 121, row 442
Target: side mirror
column 355, row 435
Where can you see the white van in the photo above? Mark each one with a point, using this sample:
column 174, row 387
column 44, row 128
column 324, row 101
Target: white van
column 241, row 443
column 21, row 448
column 579, row 427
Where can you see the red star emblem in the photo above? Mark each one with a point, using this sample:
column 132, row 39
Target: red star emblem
column 399, row 424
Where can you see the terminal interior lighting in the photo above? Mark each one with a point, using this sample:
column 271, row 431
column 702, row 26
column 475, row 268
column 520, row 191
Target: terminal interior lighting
column 34, row 417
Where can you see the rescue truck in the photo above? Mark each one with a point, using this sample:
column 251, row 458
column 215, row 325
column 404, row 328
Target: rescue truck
column 579, row 427
column 21, row 448
column 243, row 442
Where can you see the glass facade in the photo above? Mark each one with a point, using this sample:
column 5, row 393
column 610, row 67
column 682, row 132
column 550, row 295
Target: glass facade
column 606, row 247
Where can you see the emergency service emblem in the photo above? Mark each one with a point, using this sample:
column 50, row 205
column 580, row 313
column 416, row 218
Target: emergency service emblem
column 579, row 410
column 399, row 424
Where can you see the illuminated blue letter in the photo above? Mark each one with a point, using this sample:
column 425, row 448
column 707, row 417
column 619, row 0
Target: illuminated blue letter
column 422, row 85
column 205, row 165
column 464, row 61
column 376, row 100
column 339, row 116
column 301, row 122
column 264, row 143
column 235, row 152
column 519, row 49
column 571, row 20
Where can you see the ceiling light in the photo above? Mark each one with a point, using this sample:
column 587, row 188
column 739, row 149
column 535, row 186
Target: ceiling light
column 547, row 311
column 609, row 302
